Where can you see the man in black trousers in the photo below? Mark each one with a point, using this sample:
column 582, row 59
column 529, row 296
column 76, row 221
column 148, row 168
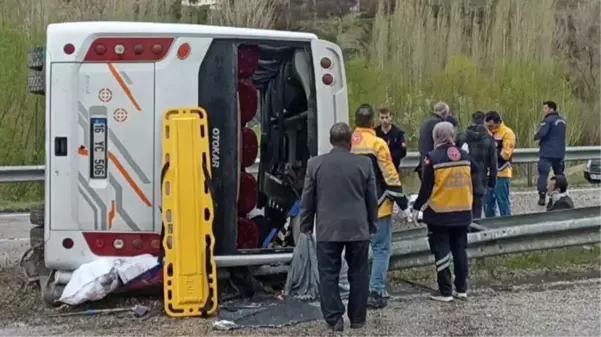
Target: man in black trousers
column 340, row 191
column 480, row 145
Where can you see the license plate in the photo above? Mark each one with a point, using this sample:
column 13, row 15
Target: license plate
column 595, row 177
column 98, row 157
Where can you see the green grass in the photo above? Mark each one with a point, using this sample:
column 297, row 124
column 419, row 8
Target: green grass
column 17, row 206
column 558, row 260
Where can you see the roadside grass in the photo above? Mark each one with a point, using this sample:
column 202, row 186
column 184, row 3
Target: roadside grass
column 9, row 206
column 505, row 267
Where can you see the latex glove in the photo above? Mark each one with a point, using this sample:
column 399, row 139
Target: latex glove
column 414, row 215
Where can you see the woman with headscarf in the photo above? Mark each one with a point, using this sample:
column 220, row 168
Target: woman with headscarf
column 447, row 190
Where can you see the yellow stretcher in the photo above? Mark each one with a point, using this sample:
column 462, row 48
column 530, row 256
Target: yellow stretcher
column 189, row 271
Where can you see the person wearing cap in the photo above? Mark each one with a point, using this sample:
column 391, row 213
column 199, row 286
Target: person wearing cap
column 441, row 113
column 558, row 194
column 446, row 189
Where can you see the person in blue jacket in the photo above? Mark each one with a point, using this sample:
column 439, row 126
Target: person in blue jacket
column 551, row 135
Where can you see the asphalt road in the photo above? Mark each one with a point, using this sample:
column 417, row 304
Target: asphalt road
column 570, row 307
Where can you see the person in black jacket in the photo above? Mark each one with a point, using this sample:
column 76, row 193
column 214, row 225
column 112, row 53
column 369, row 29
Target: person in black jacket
column 393, row 136
column 426, row 142
column 477, row 141
column 558, row 194
column 551, row 135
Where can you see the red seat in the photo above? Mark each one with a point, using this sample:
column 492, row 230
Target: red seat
column 247, row 196
column 248, row 60
column 250, row 147
column 249, row 101
column 248, row 234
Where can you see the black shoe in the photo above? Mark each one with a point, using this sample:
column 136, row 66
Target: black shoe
column 338, row 327
column 376, row 301
column 541, row 199
column 357, row 325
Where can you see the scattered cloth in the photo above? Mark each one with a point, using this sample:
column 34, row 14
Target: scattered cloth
column 94, row 280
column 303, row 276
column 269, row 315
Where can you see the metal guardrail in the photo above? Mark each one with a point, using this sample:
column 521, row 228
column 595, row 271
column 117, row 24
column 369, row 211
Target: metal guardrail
column 15, row 174
column 510, row 234
column 516, row 239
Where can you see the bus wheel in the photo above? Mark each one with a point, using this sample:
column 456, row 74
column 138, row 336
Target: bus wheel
column 36, row 237
column 50, row 291
column 36, row 82
column 36, row 215
column 35, row 58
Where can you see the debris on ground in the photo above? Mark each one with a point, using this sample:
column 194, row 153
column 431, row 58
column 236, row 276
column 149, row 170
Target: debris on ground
column 273, row 313
column 94, row 280
column 137, row 310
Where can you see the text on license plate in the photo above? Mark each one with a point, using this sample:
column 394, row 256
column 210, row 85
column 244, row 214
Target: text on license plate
column 595, row 177
column 98, row 154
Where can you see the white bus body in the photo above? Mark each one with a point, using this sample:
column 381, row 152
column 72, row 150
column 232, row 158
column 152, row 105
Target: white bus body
column 107, row 86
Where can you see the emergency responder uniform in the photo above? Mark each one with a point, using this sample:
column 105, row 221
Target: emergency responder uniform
column 505, row 140
column 551, row 135
column 388, row 188
column 447, row 189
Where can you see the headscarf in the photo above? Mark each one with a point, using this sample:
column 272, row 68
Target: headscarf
column 443, row 134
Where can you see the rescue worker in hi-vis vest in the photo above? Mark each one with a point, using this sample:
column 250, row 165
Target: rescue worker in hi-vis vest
column 389, row 190
column 447, row 190
column 505, row 140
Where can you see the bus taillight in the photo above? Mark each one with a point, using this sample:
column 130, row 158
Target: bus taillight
column 122, row 244
column 128, row 49
column 69, row 49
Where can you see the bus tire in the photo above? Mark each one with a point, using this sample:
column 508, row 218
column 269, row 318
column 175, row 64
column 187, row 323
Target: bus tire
column 36, row 58
column 36, row 215
column 36, row 82
column 36, row 237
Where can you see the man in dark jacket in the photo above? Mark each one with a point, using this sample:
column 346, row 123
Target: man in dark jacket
column 551, row 135
column 478, row 142
column 393, row 136
column 340, row 191
column 558, row 194
column 426, row 142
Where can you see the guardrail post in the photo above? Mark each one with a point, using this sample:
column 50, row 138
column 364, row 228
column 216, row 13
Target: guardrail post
column 529, row 174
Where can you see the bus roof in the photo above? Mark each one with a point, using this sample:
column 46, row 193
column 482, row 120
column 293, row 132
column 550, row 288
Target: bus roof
column 166, row 29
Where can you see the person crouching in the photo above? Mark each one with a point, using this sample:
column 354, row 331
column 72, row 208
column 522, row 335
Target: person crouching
column 447, row 188
column 558, row 194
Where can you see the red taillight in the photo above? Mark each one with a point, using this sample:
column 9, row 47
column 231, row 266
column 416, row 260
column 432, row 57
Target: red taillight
column 183, row 51
column 138, row 49
column 68, row 243
column 327, row 79
column 100, row 49
column 157, row 49
column 114, row 49
column 122, row 244
column 69, row 49
column 325, row 63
